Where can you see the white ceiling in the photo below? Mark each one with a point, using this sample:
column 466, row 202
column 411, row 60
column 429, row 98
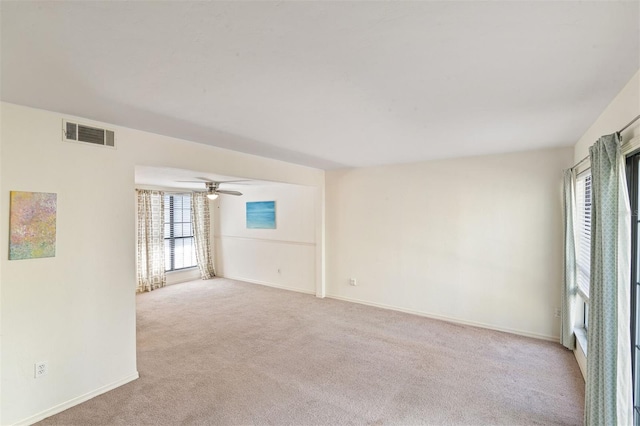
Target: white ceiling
column 328, row 84
column 167, row 177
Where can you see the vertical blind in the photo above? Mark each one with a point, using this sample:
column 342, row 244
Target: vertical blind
column 583, row 230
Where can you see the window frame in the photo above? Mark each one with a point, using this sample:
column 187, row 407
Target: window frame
column 171, row 222
column 583, row 251
column 633, row 186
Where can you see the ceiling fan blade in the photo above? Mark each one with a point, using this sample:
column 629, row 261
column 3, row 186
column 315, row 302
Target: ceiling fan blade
column 192, row 181
column 222, row 181
column 222, row 191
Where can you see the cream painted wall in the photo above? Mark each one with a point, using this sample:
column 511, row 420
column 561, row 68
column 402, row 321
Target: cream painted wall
column 77, row 310
column 624, row 107
column 183, row 276
column 2, row 207
column 283, row 257
column 473, row 240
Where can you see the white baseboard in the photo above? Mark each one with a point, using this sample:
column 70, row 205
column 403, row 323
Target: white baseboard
column 268, row 284
column 75, row 401
column 448, row 319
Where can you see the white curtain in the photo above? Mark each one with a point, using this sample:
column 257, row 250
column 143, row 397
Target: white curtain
column 150, row 247
column 570, row 289
column 200, row 217
column 608, row 399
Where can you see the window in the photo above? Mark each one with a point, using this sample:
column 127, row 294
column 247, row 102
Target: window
column 583, row 252
column 179, row 246
column 583, row 232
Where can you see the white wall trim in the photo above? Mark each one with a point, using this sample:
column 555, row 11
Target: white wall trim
column 166, row 189
column 268, row 284
column 77, row 400
column 267, row 240
column 448, row 319
column 632, row 145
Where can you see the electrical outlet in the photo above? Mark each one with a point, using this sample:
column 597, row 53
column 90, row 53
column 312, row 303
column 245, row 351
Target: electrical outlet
column 40, row 369
column 353, row 282
column 557, row 313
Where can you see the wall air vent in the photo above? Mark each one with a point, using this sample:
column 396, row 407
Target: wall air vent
column 76, row 132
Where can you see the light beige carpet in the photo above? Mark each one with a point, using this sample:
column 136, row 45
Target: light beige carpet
column 223, row 352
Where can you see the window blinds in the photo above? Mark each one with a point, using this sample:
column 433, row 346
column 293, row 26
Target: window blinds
column 178, row 233
column 583, row 230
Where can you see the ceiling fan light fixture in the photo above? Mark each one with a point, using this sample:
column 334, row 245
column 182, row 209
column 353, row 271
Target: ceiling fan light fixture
column 212, row 195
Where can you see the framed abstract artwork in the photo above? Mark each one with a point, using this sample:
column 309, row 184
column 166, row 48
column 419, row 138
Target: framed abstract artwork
column 32, row 227
column 261, row 215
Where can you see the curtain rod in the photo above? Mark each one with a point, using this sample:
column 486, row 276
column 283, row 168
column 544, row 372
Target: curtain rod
column 629, row 124
column 637, row 117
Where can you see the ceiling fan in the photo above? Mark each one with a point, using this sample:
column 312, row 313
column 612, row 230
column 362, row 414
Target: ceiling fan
column 213, row 187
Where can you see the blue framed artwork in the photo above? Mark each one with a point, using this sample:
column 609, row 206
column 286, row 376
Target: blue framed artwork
column 261, row 215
